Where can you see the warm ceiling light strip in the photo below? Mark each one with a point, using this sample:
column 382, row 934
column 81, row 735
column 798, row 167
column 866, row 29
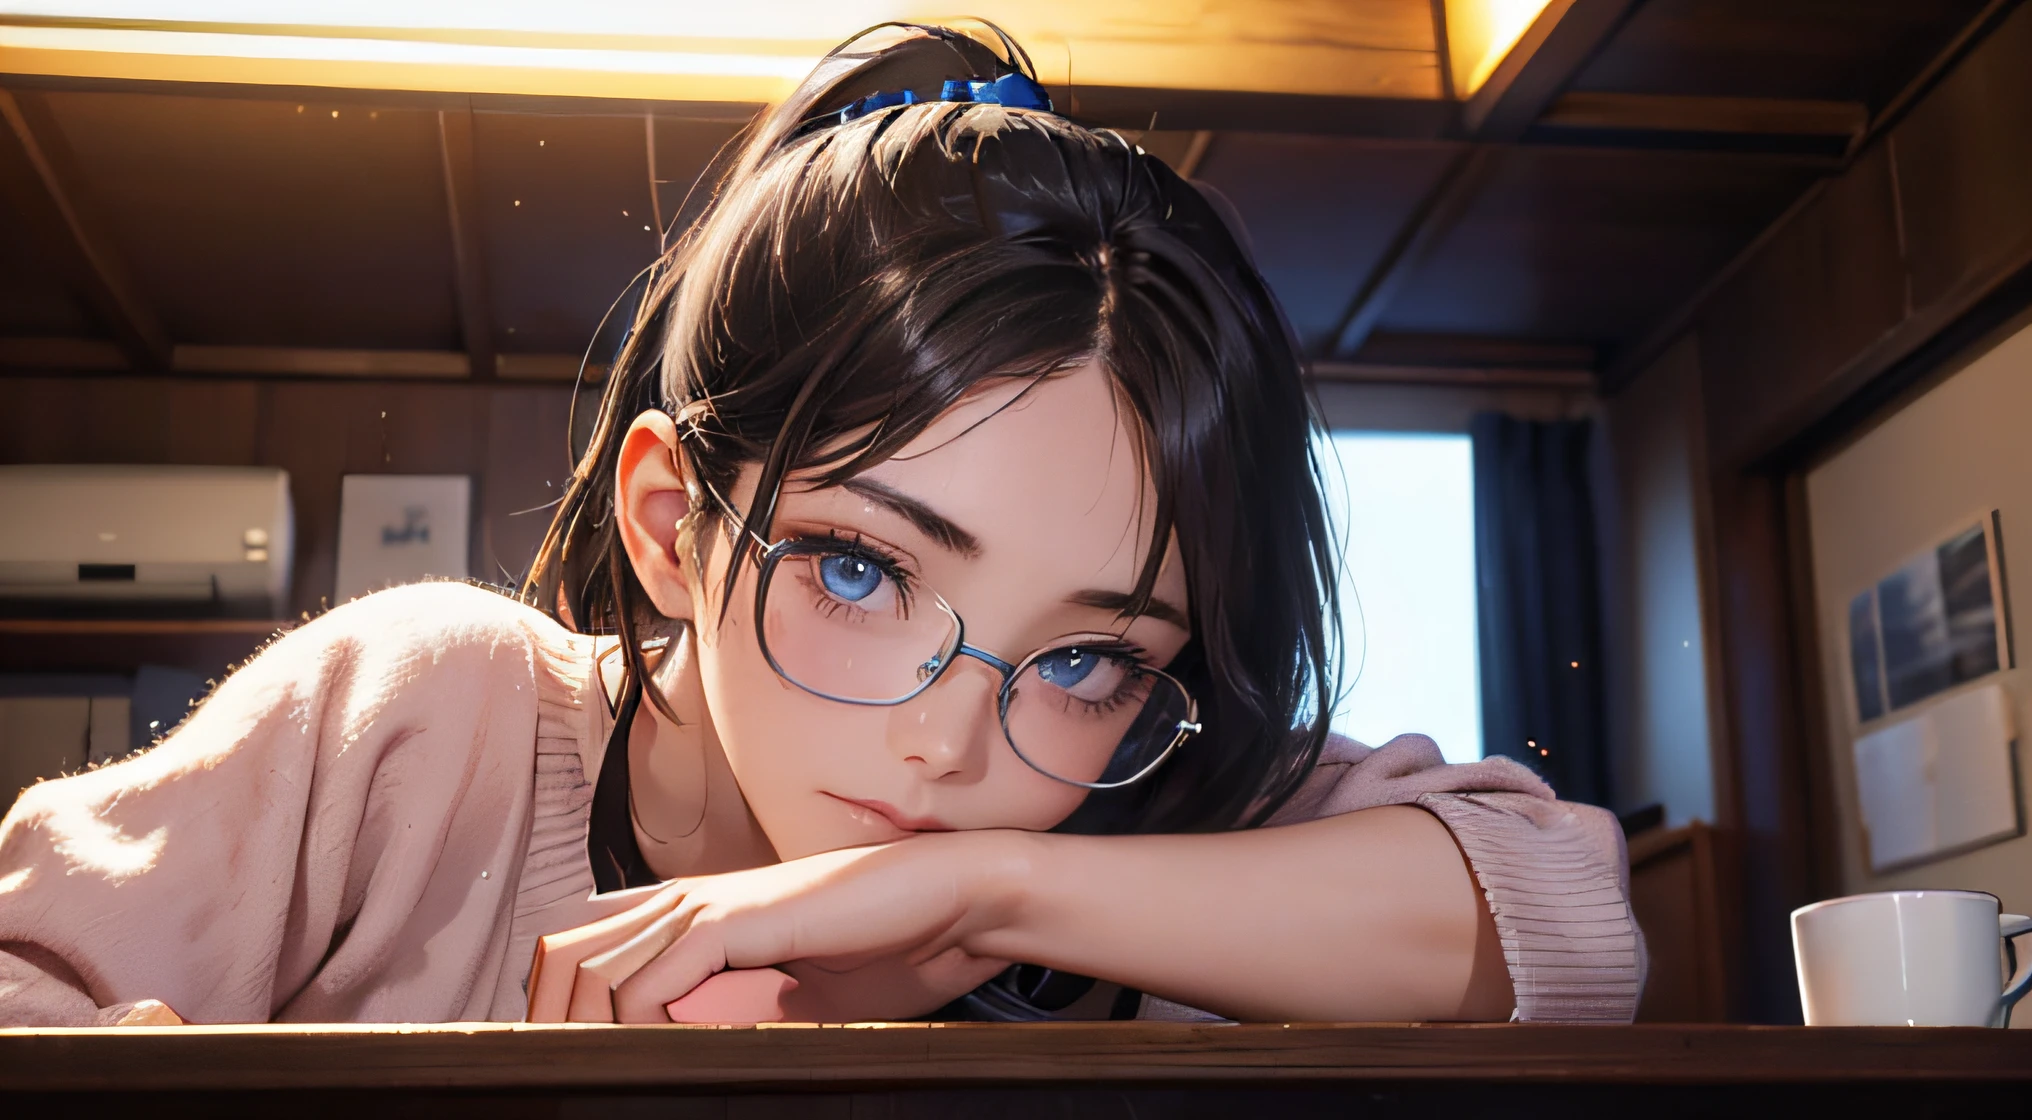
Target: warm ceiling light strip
column 742, row 52
column 1479, row 33
column 397, row 64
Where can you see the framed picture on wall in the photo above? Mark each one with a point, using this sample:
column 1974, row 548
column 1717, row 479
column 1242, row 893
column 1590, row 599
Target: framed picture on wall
column 401, row 528
column 1940, row 620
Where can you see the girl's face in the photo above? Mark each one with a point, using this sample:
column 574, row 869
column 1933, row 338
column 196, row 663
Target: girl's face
column 1026, row 507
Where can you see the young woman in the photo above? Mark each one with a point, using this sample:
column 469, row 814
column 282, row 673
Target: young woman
column 952, row 527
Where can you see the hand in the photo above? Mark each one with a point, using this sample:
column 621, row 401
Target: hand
column 876, row 932
column 150, row 1013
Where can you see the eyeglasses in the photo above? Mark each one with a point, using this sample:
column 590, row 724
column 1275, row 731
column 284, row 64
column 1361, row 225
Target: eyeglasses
column 841, row 620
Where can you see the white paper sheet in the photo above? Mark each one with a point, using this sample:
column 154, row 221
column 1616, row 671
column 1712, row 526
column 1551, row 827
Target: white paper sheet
column 1939, row 781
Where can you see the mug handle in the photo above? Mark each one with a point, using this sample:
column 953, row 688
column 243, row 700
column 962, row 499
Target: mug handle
column 2013, row 926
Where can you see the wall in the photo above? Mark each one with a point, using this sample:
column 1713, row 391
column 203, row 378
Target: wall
column 510, row 438
column 1658, row 682
column 1953, row 453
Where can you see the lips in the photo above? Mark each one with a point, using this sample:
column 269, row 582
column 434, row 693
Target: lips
column 894, row 815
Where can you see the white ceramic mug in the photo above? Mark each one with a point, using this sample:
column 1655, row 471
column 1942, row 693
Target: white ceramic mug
column 1908, row 959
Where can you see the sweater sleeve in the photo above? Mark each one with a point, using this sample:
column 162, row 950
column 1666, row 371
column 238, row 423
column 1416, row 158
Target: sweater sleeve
column 1555, row 874
column 334, row 835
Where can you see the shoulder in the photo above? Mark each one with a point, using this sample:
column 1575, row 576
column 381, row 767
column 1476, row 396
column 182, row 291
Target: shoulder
column 1349, row 776
column 436, row 620
column 428, row 665
column 431, row 647
column 452, row 608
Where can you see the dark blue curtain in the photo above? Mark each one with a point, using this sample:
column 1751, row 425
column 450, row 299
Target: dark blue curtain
column 1537, row 571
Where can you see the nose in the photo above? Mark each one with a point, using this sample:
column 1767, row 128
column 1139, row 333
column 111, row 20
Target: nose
column 946, row 732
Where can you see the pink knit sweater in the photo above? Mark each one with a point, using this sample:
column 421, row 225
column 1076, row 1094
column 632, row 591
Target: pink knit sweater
column 376, row 818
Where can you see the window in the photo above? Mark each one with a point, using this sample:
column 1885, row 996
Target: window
column 1403, row 509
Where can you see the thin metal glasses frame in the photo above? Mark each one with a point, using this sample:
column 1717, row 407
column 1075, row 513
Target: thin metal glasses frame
column 932, row 670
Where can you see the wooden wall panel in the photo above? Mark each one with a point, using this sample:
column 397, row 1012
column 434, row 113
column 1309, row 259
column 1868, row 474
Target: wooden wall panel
column 1673, row 894
column 127, row 420
column 1828, row 285
column 211, row 422
column 568, row 217
column 1762, row 793
column 33, row 300
column 527, row 462
column 1842, row 50
column 296, row 435
column 267, row 222
column 1590, row 245
column 1964, row 166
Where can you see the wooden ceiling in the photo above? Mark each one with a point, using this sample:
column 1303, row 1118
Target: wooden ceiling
column 1615, row 164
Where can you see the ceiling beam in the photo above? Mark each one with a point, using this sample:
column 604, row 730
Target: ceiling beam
column 1632, row 360
column 546, row 367
column 1433, row 218
column 1476, row 351
column 1639, row 112
column 48, row 355
column 1454, row 377
column 38, row 184
column 1538, row 68
column 469, row 254
column 285, row 361
column 1213, row 110
column 1195, row 154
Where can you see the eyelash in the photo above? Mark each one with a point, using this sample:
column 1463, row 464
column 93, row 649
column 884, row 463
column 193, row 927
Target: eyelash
column 1137, row 657
column 859, row 549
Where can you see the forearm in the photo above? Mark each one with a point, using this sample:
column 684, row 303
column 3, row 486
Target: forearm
column 1367, row 916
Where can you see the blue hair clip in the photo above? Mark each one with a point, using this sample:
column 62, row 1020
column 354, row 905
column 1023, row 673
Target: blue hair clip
column 1017, row 91
column 877, row 101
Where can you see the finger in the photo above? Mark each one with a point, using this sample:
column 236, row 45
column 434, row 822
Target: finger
column 597, row 976
column 958, row 971
column 553, row 971
column 155, row 1013
column 685, row 965
column 738, row 996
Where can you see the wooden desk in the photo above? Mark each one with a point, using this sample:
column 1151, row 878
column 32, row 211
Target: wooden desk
column 1066, row 1069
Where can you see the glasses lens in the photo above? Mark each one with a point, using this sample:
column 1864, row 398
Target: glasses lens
column 1093, row 717
column 840, row 623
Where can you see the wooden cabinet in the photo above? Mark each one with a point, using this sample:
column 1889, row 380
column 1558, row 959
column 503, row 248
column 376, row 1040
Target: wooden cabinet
column 1672, row 891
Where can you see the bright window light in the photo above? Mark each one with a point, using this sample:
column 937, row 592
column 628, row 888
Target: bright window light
column 1403, row 508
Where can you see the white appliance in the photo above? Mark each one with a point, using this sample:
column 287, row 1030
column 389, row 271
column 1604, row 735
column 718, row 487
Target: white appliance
column 210, row 540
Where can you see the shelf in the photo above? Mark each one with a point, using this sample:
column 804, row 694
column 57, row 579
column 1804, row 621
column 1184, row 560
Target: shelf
column 100, row 645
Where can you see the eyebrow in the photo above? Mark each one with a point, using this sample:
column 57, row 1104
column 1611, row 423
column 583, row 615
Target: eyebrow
column 948, row 535
column 927, row 520
column 1121, row 602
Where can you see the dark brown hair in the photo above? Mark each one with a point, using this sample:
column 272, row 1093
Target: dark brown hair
column 850, row 281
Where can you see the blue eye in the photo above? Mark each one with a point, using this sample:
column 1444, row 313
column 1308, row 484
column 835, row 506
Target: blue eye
column 851, row 578
column 1066, row 667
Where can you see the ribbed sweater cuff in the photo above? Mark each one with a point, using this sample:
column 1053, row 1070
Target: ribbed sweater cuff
column 1574, row 951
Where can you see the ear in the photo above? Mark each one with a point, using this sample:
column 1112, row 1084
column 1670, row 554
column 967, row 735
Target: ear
column 649, row 501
